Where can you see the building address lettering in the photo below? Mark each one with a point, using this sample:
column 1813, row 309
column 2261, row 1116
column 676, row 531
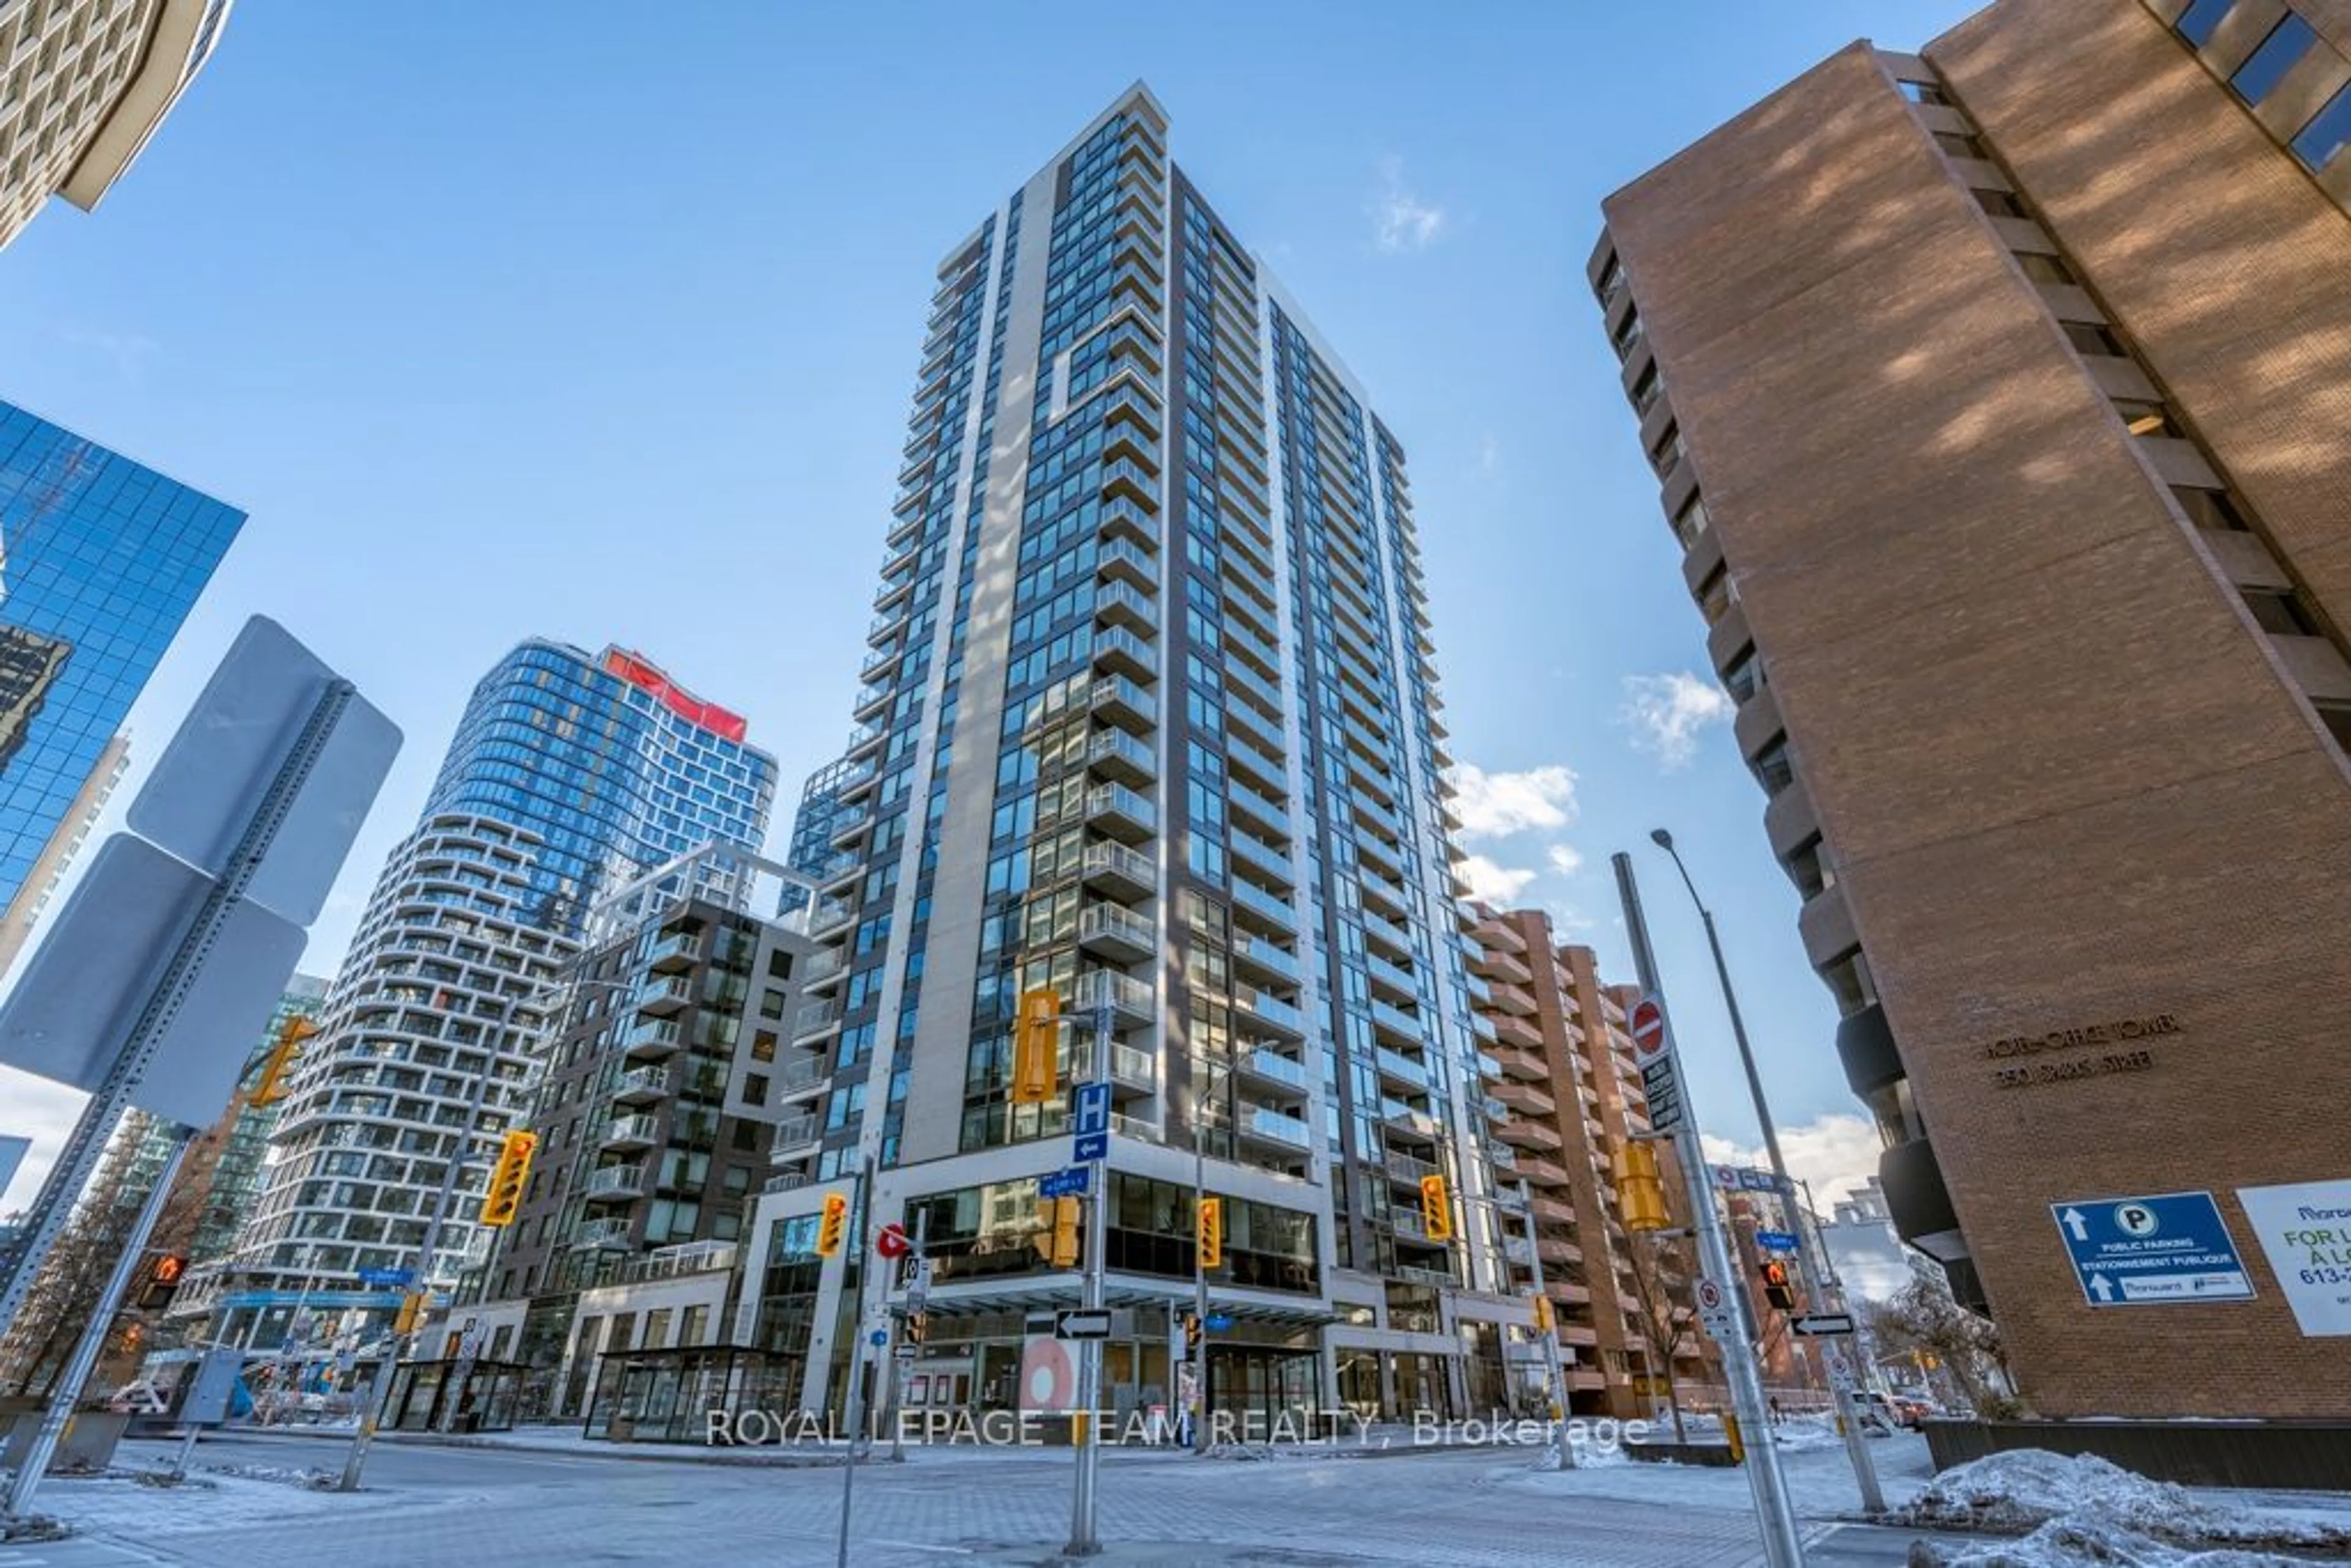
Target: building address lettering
column 2118, row 1036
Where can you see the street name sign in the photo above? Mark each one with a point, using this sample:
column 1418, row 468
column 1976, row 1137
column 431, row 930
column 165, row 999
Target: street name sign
column 1218, row 1323
column 1776, row 1242
column 2155, row 1250
column 1070, row 1183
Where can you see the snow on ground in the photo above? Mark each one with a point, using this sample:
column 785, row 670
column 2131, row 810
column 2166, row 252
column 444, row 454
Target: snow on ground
column 2064, row 1543
column 117, row 1503
column 1820, row 1478
column 2083, row 1505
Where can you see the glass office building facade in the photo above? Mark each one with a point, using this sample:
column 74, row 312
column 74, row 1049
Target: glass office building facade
column 610, row 763
column 101, row 559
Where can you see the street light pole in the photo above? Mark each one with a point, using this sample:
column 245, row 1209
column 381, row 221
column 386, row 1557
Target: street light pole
column 1820, row 1282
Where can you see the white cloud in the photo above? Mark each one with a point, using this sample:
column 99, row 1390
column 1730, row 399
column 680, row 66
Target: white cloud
column 1496, row 805
column 43, row 1112
column 128, row 351
column 1666, row 712
column 1492, row 883
column 1402, row 222
column 1489, row 455
column 1565, row 859
column 1835, row 1153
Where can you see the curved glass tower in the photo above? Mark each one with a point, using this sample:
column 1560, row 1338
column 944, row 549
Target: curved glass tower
column 608, row 762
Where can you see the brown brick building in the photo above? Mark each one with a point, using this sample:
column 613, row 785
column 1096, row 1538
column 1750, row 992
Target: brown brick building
column 1998, row 395
column 1560, row 1076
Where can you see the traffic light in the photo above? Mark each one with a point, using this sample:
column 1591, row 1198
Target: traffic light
column 1056, row 1236
column 1778, row 1288
column 1640, row 1196
column 918, row 1324
column 512, row 1169
column 412, row 1308
column 1033, row 1041
column 1192, row 1331
column 272, row 1087
column 164, row 1276
column 1208, row 1232
column 832, row 1229
column 1544, row 1322
column 1436, row 1208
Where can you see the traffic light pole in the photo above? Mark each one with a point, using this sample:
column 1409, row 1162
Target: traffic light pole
column 1083, row 1542
column 62, row 1398
column 1774, row 1513
column 860, row 1215
column 1818, row 1277
column 380, row 1391
column 1199, row 1345
column 1554, row 1376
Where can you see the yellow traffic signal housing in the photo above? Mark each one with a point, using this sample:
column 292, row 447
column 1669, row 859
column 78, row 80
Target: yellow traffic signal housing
column 1436, row 1208
column 1192, row 1331
column 918, row 1326
column 164, row 1276
column 1544, row 1322
column 504, row 1200
column 1640, row 1196
column 1034, row 1039
column 1056, row 1236
column 271, row 1088
column 1778, row 1288
column 412, row 1308
column 832, row 1229
column 1208, row 1232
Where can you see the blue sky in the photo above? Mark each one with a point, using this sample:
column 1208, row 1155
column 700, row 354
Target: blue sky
column 599, row 322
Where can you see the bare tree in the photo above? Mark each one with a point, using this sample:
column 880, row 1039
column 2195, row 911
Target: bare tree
column 1661, row 1270
column 1922, row 1318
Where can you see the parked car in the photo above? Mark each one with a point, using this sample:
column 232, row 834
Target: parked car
column 1898, row 1409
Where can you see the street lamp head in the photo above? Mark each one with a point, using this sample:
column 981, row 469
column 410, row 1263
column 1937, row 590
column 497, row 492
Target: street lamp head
column 1662, row 838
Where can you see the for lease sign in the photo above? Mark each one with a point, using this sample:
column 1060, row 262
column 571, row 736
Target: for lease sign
column 2305, row 1229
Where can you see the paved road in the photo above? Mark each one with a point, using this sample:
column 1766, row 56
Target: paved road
column 460, row 1506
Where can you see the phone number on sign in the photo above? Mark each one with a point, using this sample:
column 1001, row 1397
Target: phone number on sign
column 2079, row 1067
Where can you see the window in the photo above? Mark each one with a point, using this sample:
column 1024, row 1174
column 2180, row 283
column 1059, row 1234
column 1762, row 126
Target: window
column 1628, row 335
column 2089, row 338
column 1772, row 768
column 2046, row 268
column 1715, row 597
column 1644, row 391
column 1809, row 866
column 1611, row 284
column 1922, row 92
column 2212, row 509
column 2146, row 418
column 755, row 1088
column 2281, row 614
column 1848, row 976
column 1745, row 675
column 2201, row 19
column 1999, row 204
column 2336, row 717
column 2268, row 64
column 2329, row 133
column 1667, row 454
column 1960, row 146
column 1690, row 521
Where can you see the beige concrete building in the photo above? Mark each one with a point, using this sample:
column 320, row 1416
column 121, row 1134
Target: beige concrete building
column 83, row 85
column 1997, row 395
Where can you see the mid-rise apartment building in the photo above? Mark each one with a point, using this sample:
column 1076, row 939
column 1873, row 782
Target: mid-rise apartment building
column 1994, row 391
column 86, row 84
column 1149, row 721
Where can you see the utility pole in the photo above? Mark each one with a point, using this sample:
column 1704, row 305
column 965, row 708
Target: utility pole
column 1083, row 1542
column 1817, row 1276
column 1782, row 1545
column 860, row 1212
column 1554, row 1379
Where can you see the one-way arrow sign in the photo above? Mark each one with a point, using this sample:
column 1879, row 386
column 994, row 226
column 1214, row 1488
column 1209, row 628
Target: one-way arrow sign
column 1822, row 1323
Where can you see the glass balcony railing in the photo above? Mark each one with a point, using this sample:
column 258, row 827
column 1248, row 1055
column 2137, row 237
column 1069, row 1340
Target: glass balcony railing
column 1271, row 905
column 1280, row 1069
column 1272, row 1010
column 1265, row 955
column 1273, row 1125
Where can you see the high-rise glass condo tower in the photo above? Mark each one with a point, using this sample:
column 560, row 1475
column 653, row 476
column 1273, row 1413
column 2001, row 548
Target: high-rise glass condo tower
column 1150, row 721
column 565, row 769
column 614, row 766
column 101, row 559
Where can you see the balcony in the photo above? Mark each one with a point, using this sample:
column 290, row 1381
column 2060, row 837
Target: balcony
column 1406, row 1170
column 1121, row 702
column 1262, row 959
column 1125, row 996
column 1268, row 858
column 1380, row 892
column 1267, row 1125
column 639, row 1131
column 1120, row 872
column 1525, row 1098
column 1274, row 1068
column 1407, row 1120
column 1117, row 754
column 1125, row 519
column 805, row 1076
column 1394, row 937
column 881, row 662
column 601, row 1236
column 1248, row 805
column 1531, row 1135
column 674, row 952
column 1398, row 1025
column 822, row 968
column 1131, row 1067
column 665, row 996
column 642, row 1086
column 1402, row 1069
column 1116, row 604
column 653, row 1038
column 1554, row 1211
column 1120, row 652
column 796, row 1134
column 1119, row 561
column 1120, row 813
column 1510, row 1029
column 1116, row 934
column 615, row 1184
column 1268, row 910
column 1270, row 1010
column 1254, row 767
column 1538, row 1171
column 1394, row 978
column 815, row 1020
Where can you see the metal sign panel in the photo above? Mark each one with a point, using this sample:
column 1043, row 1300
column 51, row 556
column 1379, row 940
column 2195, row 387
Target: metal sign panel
column 1776, row 1242
column 1089, row 1147
column 1652, row 1052
column 395, row 1279
column 214, row 1386
column 1822, row 1323
column 194, row 1066
column 1070, row 1183
column 1082, row 1324
column 1091, row 1112
column 2157, row 1251
column 81, row 992
column 199, row 798
column 12, row 1155
column 2305, row 1229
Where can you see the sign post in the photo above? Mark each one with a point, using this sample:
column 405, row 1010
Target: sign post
column 1090, row 1119
column 1653, row 1046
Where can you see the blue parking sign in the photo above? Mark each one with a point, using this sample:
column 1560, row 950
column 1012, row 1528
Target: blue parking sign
column 2157, row 1251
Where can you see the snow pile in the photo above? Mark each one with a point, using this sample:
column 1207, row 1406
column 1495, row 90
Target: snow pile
column 2068, row 1543
column 1240, row 1451
column 2086, row 1499
column 1590, row 1453
column 289, row 1475
column 1802, row 1434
